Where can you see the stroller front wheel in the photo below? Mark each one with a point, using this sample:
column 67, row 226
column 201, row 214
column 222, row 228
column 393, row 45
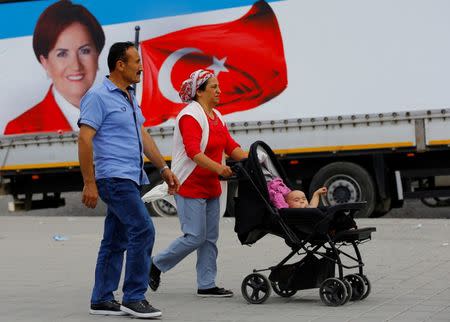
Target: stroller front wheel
column 367, row 284
column 255, row 288
column 333, row 292
column 348, row 285
column 358, row 286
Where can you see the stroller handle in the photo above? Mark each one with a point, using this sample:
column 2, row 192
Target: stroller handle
column 237, row 170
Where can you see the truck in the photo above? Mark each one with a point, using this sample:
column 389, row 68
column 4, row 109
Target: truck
column 351, row 95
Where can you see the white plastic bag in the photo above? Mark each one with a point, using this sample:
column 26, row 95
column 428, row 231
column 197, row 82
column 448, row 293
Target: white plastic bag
column 161, row 191
column 158, row 192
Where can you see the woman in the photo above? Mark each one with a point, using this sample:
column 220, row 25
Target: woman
column 200, row 140
column 67, row 41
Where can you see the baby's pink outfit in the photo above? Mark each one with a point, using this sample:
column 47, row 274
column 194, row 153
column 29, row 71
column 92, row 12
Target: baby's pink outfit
column 277, row 192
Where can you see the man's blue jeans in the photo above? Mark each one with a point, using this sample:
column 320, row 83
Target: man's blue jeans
column 129, row 227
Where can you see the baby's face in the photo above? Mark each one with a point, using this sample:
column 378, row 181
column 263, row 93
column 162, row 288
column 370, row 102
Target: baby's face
column 296, row 199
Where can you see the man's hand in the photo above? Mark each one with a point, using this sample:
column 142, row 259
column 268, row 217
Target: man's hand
column 172, row 181
column 90, row 195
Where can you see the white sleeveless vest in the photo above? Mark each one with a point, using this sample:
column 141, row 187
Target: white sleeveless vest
column 182, row 166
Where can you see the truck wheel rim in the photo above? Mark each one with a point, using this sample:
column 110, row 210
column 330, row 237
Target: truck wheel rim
column 342, row 189
column 163, row 208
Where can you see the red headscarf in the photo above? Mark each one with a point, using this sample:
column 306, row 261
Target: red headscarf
column 189, row 86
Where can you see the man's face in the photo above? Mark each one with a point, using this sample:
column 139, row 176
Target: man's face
column 297, row 199
column 132, row 68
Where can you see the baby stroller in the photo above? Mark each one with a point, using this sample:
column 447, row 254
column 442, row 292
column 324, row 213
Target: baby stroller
column 317, row 235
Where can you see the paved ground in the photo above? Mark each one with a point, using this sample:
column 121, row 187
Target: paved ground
column 408, row 263
column 411, row 209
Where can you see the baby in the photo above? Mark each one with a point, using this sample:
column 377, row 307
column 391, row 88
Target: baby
column 297, row 198
column 283, row 197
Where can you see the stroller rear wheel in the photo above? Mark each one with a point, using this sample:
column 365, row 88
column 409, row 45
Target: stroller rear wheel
column 358, row 286
column 333, row 292
column 255, row 288
column 281, row 291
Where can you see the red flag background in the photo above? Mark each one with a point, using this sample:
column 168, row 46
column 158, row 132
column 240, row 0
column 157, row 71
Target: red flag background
column 246, row 55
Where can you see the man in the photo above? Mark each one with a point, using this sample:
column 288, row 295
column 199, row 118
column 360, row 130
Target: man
column 111, row 125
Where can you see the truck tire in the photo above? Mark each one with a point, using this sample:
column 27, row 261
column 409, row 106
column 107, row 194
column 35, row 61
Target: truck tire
column 161, row 208
column 346, row 182
column 382, row 207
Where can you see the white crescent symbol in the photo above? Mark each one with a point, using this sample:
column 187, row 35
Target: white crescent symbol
column 164, row 80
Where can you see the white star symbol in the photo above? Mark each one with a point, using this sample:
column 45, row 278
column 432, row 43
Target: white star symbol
column 218, row 66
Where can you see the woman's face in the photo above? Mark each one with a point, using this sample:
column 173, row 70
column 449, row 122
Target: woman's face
column 211, row 94
column 72, row 64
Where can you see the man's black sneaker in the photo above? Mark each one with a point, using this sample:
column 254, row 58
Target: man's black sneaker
column 140, row 309
column 214, row 292
column 154, row 277
column 107, row 308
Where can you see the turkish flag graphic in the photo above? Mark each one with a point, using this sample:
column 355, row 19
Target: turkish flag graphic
column 246, row 55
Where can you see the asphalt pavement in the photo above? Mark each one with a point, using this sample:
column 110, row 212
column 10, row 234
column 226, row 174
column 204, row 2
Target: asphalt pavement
column 47, row 269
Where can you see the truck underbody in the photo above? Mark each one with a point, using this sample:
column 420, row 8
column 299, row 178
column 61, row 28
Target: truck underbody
column 411, row 162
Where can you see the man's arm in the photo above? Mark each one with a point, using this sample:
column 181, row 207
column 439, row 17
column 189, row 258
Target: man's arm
column 85, row 156
column 151, row 151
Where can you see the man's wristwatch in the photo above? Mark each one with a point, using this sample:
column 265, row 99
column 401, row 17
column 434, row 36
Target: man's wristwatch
column 163, row 169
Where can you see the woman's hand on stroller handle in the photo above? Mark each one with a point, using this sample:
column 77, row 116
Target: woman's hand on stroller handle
column 235, row 171
column 224, row 171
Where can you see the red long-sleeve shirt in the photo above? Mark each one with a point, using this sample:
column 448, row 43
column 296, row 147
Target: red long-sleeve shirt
column 203, row 183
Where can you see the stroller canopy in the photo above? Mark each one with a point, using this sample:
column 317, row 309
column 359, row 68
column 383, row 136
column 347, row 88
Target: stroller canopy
column 255, row 216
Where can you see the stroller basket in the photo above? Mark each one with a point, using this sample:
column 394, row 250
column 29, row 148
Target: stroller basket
column 306, row 274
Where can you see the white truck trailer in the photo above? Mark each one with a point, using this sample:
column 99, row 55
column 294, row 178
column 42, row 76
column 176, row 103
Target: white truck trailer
column 360, row 102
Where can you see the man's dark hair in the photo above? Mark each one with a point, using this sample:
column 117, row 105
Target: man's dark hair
column 118, row 51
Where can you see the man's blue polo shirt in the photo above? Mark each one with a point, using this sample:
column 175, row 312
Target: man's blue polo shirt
column 118, row 149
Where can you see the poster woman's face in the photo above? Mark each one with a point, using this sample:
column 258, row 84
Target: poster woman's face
column 72, row 64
